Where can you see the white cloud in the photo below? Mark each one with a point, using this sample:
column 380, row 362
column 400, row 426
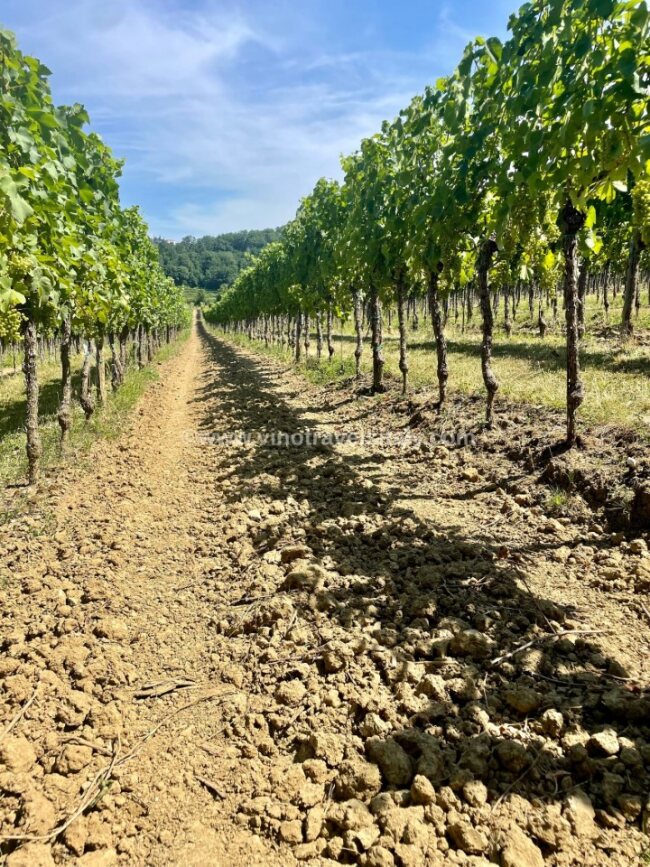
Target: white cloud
column 236, row 115
column 135, row 52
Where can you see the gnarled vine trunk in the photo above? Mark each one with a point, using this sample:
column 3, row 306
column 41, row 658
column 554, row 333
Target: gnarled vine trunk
column 328, row 327
column 64, row 416
column 377, row 342
column 140, row 347
column 358, row 330
column 319, row 337
column 150, row 345
column 101, row 370
column 30, row 370
column 124, row 336
column 583, row 276
column 298, row 346
column 86, row 399
column 306, row 335
column 571, row 221
column 486, row 255
column 541, row 321
column 401, row 320
column 117, row 374
column 582, row 296
column 631, row 281
column 439, row 334
column 416, row 318
column 507, row 320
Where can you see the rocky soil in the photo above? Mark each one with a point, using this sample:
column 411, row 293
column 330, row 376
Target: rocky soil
column 373, row 652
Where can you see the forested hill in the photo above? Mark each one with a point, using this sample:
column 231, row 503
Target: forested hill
column 212, row 262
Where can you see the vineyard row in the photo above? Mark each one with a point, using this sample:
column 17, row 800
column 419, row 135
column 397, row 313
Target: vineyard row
column 75, row 266
column 527, row 171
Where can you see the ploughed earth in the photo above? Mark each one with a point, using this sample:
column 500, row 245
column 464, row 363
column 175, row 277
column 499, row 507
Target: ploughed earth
column 221, row 649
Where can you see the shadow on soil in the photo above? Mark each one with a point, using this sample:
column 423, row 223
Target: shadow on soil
column 447, row 606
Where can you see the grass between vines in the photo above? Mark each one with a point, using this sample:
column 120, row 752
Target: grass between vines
column 530, row 370
column 107, row 422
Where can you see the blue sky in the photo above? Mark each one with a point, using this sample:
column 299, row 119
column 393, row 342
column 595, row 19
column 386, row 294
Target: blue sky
column 228, row 112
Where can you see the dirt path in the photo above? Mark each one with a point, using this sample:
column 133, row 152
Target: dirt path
column 315, row 628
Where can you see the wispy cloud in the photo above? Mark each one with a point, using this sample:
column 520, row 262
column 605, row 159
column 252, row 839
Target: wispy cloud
column 227, row 114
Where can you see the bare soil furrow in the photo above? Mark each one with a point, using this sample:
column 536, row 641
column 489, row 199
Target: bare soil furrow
column 314, row 652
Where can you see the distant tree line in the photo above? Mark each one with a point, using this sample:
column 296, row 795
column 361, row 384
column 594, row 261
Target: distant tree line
column 212, row 262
